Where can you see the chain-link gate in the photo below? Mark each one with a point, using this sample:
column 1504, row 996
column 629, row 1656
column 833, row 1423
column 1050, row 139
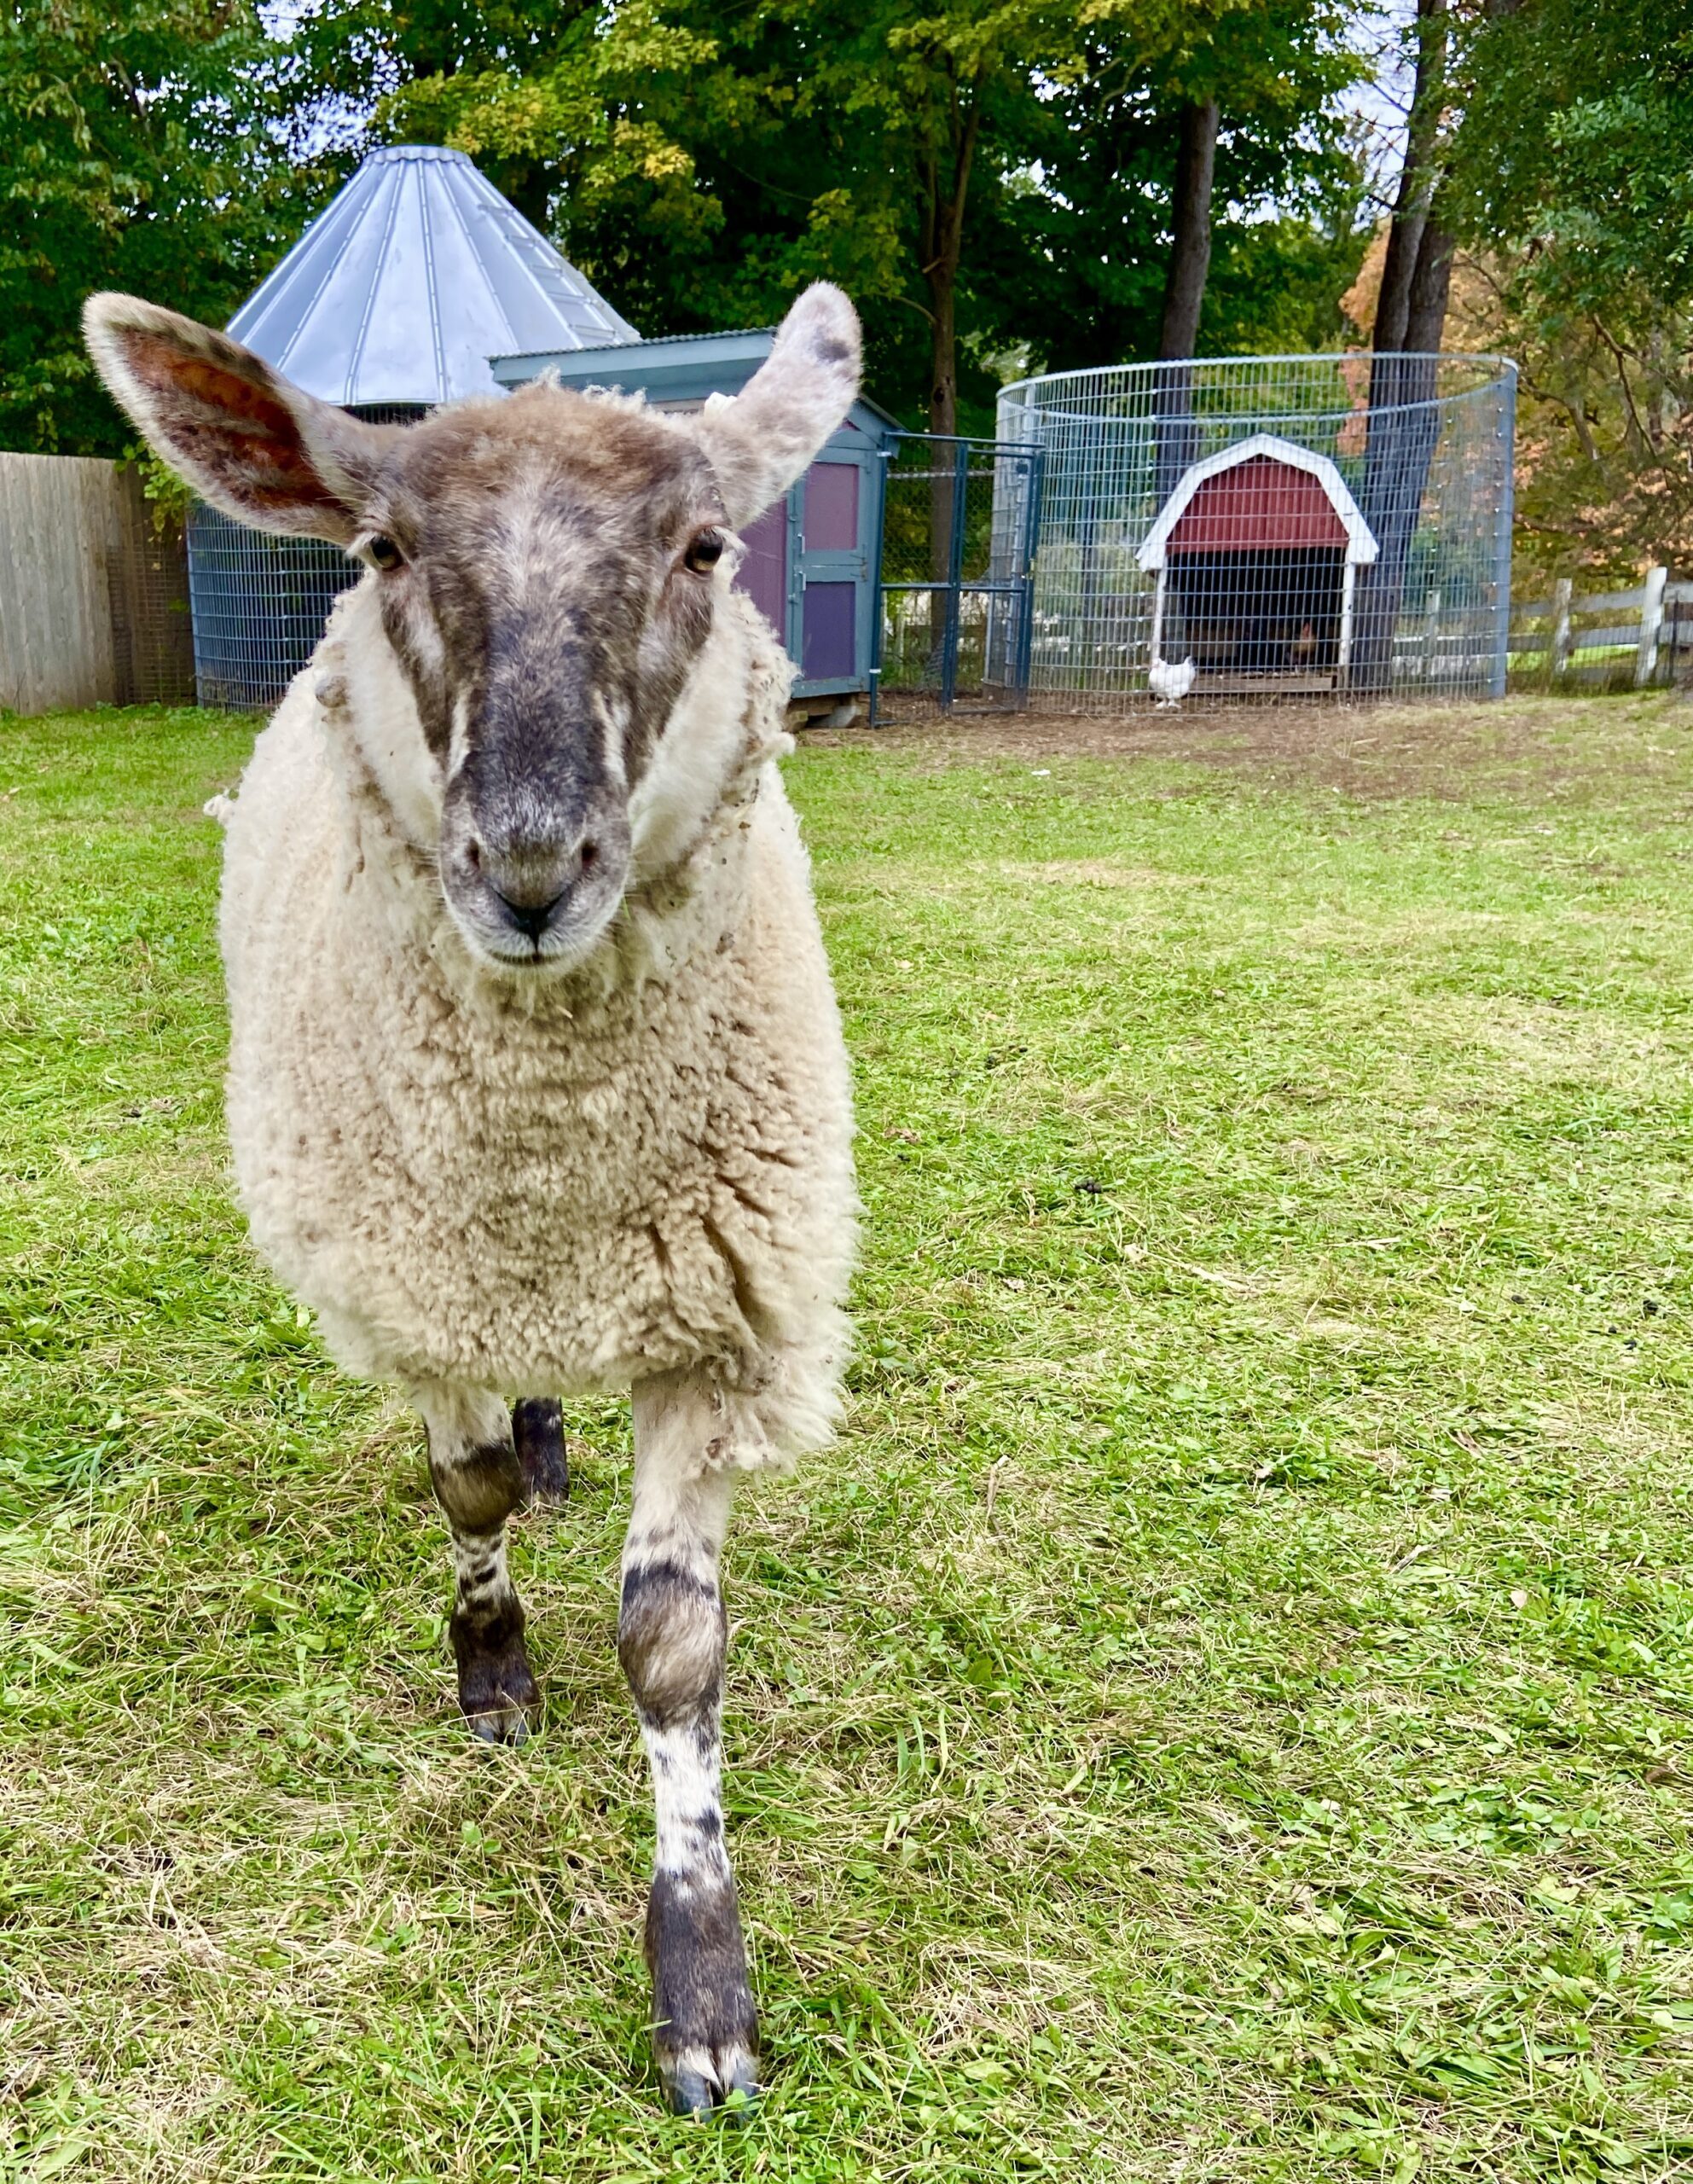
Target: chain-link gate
column 954, row 589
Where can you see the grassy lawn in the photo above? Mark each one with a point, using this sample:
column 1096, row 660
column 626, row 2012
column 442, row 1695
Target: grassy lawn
column 1222, row 1713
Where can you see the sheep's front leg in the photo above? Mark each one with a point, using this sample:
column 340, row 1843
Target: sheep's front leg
column 670, row 1641
column 478, row 1481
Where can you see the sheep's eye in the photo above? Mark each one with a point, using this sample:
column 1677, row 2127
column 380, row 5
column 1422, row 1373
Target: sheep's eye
column 386, row 554
column 704, row 551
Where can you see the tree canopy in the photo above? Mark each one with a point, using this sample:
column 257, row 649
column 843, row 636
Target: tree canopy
column 133, row 155
column 1572, row 180
column 991, row 178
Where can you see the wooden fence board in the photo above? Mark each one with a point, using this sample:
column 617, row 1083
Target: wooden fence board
column 1606, row 602
column 1655, row 635
column 1651, row 621
column 93, row 598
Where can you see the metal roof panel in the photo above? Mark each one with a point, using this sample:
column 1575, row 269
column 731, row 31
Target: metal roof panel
column 413, row 277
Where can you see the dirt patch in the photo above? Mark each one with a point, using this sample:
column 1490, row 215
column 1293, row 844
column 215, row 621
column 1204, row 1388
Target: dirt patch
column 1556, row 746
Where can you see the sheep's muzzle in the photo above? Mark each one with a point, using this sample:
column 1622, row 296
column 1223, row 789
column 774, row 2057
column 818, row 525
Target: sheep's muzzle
column 532, row 879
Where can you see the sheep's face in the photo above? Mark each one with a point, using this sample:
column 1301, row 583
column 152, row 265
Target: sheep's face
column 546, row 573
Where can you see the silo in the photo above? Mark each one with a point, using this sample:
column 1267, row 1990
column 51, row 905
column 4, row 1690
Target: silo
column 393, row 301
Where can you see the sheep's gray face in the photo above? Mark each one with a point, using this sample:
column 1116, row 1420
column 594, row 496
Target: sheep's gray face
column 547, row 569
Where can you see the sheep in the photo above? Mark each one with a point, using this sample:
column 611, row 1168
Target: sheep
column 536, row 1083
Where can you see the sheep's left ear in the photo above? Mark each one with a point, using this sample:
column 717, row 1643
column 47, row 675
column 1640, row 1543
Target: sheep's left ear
column 761, row 441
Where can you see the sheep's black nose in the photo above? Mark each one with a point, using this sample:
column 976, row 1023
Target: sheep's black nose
column 532, row 879
column 531, row 918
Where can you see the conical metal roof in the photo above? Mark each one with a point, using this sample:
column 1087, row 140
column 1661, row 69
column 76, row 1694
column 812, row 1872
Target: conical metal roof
column 417, row 273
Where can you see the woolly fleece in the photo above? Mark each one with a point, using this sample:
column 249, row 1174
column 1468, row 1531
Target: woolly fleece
column 558, row 1186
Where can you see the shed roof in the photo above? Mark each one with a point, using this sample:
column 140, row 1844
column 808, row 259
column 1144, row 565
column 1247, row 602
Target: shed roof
column 1262, row 495
column 417, row 273
column 674, row 370
column 1259, row 507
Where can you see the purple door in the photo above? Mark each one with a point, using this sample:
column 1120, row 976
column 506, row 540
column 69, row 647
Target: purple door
column 764, row 575
column 834, row 571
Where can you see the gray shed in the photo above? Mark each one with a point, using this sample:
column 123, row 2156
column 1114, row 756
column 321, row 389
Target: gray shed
column 811, row 558
column 394, row 300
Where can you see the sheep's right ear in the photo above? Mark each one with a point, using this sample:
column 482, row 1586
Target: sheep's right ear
column 262, row 450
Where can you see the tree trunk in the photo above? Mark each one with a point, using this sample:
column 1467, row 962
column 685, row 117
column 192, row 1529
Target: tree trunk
column 1184, row 277
column 1416, row 181
column 1425, row 322
column 1405, row 373
column 945, row 188
column 944, row 421
column 942, row 284
column 1190, row 237
column 1392, row 305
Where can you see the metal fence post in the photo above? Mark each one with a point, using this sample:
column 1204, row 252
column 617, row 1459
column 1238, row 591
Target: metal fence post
column 884, row 459
column 1507, row 519
column 954, row 577
column 1022, row 651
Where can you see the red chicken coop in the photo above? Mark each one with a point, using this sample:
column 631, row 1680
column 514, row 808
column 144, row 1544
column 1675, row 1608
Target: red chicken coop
column 1256, row 553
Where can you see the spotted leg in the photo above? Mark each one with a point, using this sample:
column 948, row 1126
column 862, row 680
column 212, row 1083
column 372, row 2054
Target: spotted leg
column 478, row 1481
column 671, row 1640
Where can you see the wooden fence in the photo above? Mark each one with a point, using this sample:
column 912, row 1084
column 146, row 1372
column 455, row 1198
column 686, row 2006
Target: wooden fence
column 1615, row 638
column 93, row 598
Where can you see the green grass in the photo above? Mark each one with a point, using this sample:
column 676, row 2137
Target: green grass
column 1223, row 1711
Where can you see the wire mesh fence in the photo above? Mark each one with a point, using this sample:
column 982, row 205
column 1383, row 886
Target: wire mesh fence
column 953, row 590
column 259, row 602
column 1267, row 526
column 1237, row 528
column 152, row 636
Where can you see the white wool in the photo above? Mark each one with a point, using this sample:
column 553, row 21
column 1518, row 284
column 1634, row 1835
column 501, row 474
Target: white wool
column 554, row 1185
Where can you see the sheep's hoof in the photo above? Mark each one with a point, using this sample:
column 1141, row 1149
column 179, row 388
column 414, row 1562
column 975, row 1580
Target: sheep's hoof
column 538, row 1429
column 704, row 2028
column 498, row 1694
column 696, row 2083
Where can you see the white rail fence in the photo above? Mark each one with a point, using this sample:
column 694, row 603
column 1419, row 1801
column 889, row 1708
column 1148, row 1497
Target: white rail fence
column 1613, row 638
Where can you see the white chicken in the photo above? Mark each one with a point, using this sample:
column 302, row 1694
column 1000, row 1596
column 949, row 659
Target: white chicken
column 1170, row 685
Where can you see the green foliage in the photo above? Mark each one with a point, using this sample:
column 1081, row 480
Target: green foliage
column 1074, row 264
column 1571, row 174
column 132, row 155
column 1276, row 285
column 700, row 163
column 1578, row 118
column 169, row 498
column 1222, row 1712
